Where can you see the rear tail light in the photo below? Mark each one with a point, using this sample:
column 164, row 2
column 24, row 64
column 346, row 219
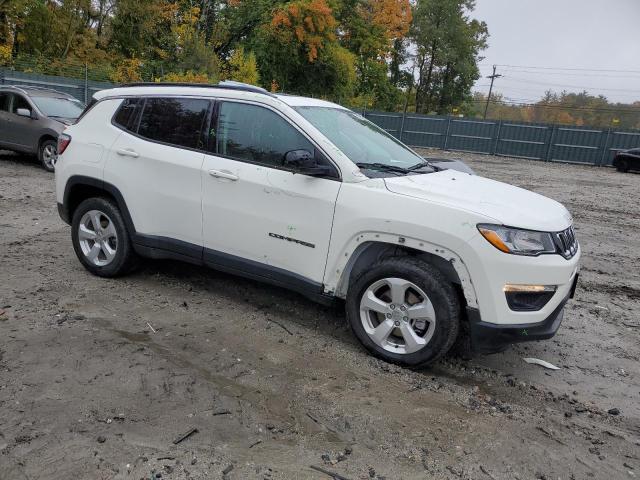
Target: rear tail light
column 63, row 142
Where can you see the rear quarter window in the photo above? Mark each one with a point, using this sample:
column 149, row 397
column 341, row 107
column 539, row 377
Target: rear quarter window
column 127, row 114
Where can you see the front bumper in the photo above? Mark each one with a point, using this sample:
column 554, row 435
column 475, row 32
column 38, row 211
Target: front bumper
column 491, row 337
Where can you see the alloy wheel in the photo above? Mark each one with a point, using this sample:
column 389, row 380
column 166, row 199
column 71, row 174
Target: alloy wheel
column 397, row 315
column 98, row 238
column 49, row 156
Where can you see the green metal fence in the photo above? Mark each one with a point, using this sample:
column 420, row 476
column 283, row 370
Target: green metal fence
column 556, row 143
column 82, row 89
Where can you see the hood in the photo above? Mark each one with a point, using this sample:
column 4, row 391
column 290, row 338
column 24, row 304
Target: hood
column 505, row 204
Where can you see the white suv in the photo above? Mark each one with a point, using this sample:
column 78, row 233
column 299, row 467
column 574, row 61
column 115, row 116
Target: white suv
column 310, row 196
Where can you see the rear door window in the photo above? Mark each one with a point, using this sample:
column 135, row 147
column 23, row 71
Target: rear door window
column 176, row 121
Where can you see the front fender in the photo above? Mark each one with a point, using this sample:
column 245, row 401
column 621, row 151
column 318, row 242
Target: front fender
column 338, row 275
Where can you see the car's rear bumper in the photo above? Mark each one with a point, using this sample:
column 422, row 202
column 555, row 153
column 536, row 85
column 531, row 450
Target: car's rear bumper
column 491, row 337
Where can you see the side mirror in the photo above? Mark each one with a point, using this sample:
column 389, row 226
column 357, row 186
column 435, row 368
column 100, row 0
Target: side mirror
column 303, row 161
column 23, row 112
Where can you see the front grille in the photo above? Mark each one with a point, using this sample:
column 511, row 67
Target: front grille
column 566, row 242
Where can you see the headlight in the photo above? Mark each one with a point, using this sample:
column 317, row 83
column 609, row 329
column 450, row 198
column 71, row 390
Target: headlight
column 516, row 241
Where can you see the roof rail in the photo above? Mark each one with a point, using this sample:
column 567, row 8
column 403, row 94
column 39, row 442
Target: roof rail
column 22, row 88
column 226, row 85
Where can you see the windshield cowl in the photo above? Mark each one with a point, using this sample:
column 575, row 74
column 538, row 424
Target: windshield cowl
column 381, row 170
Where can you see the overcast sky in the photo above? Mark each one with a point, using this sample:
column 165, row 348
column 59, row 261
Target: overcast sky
column 562, row 34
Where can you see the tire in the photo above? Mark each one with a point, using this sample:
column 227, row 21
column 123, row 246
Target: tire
column 623, row 165
column 47, row 154
column 107, row 251
column 421, row 280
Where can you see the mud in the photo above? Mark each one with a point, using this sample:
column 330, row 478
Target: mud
column 98, row 377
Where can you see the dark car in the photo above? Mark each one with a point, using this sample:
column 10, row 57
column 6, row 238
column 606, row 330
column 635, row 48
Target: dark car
column 626, row 160
column 31, row 119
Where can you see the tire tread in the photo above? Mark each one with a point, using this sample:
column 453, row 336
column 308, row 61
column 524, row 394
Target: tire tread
column 430, row 277
column 126, row 259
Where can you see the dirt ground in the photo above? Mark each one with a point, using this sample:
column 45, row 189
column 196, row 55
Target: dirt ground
column 99, row 377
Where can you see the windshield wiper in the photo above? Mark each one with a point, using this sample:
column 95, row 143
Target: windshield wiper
column 383, row 167
column 422, row 164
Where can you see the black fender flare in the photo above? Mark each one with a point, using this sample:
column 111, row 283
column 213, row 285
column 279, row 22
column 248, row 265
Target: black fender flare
column 80, row 180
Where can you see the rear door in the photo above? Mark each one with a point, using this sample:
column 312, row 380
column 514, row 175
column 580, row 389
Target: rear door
column 156, row 163
column 258, row 216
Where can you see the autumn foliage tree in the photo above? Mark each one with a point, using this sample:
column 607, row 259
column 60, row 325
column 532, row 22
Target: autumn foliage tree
column 300, row 51
column 562, row 108
column 357, row 52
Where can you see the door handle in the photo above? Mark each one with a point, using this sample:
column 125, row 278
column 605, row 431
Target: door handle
column 126, row 152
column 226, row 175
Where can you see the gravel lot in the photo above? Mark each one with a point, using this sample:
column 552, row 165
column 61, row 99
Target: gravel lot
column 274, row 383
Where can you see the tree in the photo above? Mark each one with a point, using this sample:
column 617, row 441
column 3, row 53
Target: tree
column 243, row 67
column 448, row 44
column 350, row 51
column 371, row 29
column 142, row 28
column 299, row 50
column 560, row 108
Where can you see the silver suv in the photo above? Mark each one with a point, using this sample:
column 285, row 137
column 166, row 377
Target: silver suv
column 31, row 118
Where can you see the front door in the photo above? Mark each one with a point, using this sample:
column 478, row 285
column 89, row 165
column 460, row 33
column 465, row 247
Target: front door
column 259, row 217
column 5, row 121
column 23, row 131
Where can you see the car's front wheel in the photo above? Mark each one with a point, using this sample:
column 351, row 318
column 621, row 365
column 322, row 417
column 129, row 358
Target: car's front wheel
column 48, row 154
column 405, row 311
column 100, row 238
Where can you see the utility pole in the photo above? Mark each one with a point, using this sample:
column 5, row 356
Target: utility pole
column 492, row 77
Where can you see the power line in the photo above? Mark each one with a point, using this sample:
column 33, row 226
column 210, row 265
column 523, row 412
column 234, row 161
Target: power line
column 533, row 89
column 570, row 69
column 534, row 82
column 568, row 74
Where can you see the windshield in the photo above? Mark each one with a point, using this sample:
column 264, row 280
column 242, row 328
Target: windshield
column 59, row 107
column 358, row 138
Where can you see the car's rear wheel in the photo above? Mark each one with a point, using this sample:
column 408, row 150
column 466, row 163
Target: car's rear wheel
column 47, row 154
column 100, row 238
column 405, row 311
column 622, row 165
